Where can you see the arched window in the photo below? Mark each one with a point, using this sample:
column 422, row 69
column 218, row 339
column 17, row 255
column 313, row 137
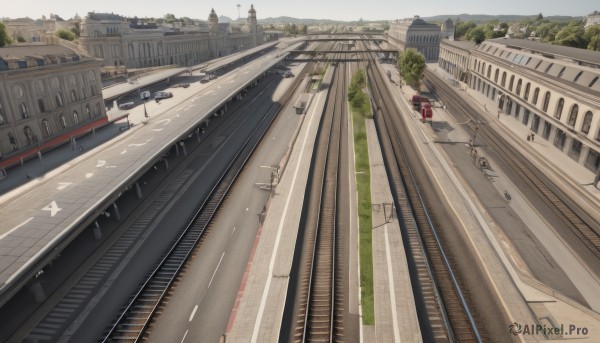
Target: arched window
column 46, row 129
column 87, row 111
column 489, row 73
column 63, row 121
column 59, row 100
column 13, row 142
column 546, row 102
column 75, row 118
column 518, row 90
column 496, row 76
column 573, row 115
column 559, row 108
column 28, row 134
column 41, row 105
column 96, row 110
column 510, row 84
column 73, row 95
column 527, row 87
column 503, row 79
column 536, row 94
column 587, row 122
column 482, row 68
column 24, row 111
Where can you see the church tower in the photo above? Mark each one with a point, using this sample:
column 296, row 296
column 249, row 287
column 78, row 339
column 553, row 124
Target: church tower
column 251, row 22
column 213, row 23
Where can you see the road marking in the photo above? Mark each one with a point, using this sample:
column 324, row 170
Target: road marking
column 232, row 231
column 157, row 130
column 391, row 285
column 53, row 208
column 89, row 175
column 63, row 185
column 164, row 121
column 193, row 313
column 100, row 163
column 184, row 335
column 16, row 227
column 124, row 152
column 215, row 272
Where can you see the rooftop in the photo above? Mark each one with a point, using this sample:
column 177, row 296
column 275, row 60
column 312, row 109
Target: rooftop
column 18, row 57
column 552, row 51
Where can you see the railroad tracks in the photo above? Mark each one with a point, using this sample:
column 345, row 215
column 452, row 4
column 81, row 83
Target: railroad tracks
column 134, row 320
column 582, row 228
column 444, row 314
column 320, row 301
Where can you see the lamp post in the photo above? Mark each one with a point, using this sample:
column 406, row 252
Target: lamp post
column 145, row 112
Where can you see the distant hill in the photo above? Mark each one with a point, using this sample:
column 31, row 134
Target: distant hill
column 292, row 20
column 480, row 18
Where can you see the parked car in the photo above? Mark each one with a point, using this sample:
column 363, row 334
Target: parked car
column 163, row 95
column 126, row 105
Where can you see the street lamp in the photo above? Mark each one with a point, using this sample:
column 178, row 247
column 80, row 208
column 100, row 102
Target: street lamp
column 145, row 112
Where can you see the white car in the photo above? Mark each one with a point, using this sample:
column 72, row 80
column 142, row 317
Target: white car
column 163, row 95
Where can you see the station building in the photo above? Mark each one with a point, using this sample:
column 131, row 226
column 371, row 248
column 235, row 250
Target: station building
column 48, row 94
column 135, row 43
column 553, row 90
column 417, row 34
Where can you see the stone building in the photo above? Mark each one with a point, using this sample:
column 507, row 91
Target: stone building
column 551, row 89
column 35, row 31
column 48, row 93
column 454, row 58
column 417, row 34
column 135, row 43
column 448, row 29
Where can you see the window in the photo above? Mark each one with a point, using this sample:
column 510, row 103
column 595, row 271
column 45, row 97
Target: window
column 536, row 93
column 587, row 122
column 24, row 112
column 75, row 118
column 525, row 119
column 93, row 90
column 535, row 125
column 489, row 73
column 527, row 87
column 559, row 139
column 518, row 90
column 496, row 75
column 41, row 105
column 573, row 115
column 547, row 129
column 559, row 108
column 548, row 67
column 87, row 111
column 29, row 135
column 59, row 100
column 575, row 150
column 503, row 79
column 2, row 120
column 97, row 110
column 593, row 82
column 73, row 95
column 578, row 76
column 510, row 85
column 593, row 160
column 561, row 71
column 46, row 129
column 63, row 121
column 13, row 142
column 546, row 102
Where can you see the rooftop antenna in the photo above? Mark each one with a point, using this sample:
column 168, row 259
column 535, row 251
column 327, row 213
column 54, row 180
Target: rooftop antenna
column 238, row 6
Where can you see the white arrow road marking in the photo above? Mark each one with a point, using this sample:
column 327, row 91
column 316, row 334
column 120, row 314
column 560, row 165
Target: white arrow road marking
column 124, row 152
column 146, row 142
column 164, row 121
column 53, row 208
column 100, row 163
column 63, row 185
column 89, row 175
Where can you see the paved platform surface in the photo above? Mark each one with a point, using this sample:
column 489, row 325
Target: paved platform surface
column 257, row 315
column 395, row 312
column 35, row 219
column 523, row 302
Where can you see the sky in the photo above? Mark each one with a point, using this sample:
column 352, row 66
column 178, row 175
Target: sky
column 314, row 9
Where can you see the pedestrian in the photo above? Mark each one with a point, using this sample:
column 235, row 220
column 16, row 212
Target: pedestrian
column 532, row 135
column 528, row 137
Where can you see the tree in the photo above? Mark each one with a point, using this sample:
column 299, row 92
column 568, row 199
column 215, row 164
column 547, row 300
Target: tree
column 476, row 34
column 592, row 34
column 572, row 35
column 64, row 34
column 4, row 39
column 540, row 16
column 412, row 66
column 20, row 39
column 463, row 27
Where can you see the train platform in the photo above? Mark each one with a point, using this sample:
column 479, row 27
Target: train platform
column 525, row 300
column 38, row 219
column 395, row 312
column 258, row 311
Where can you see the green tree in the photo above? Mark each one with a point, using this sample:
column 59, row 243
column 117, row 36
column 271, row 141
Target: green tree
column 4, row 38
column 20, row 39
column 592, row 35
column 540, row 16
column 572, row 35
column 170, row 18
column 463, row 27
column 412, row 66
column 64, row 34
column 476, row 35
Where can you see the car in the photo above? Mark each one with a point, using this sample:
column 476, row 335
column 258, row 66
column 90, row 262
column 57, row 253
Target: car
column 126, row 105
column 163, row 95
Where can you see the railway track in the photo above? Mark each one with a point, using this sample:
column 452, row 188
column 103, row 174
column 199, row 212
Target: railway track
column 320, row 300
column 135, row 318
column 582, row 228
column 444, row 314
